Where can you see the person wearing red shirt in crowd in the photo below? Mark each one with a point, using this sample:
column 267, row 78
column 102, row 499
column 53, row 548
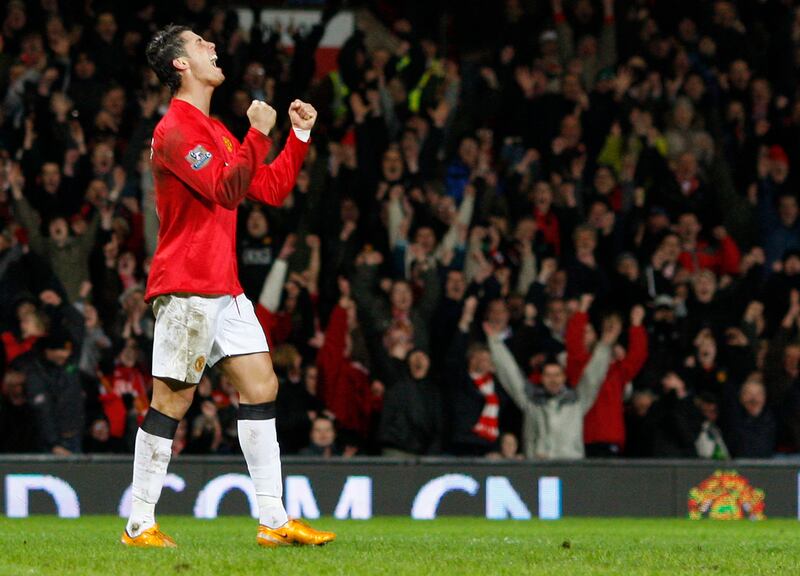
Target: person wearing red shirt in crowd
column 697, row 254
column 345, row 386
column 127, row 380
column 32, row 326
column 604, row 424
column 201, row 175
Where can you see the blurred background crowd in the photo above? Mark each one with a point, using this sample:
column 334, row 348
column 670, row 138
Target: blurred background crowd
column 524, row 229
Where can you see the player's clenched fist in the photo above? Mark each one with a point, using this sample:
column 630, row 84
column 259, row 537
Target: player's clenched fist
column 302, row 115
column 262, row 116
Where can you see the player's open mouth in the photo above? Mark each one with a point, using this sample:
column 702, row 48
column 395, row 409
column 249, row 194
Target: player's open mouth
column 214, row 60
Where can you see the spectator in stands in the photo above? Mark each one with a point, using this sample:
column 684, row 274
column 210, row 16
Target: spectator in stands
column 18, row 433
column 255, row 249
column 67, row 255
column 411, row 422
column 344, row 383
column 697, row 254
column 99, row 439
column 710, row 443
column 55, row 394
column 779, row 227
column 287, row 304
column 297, row 403
column 205, row 430
column 474, row 397
column 33, row 324
column 639, row 425
column 322, row 439
column 400, row 313
column 675, row 419
column 750, row 423
column 553, row 424
column 603, row 426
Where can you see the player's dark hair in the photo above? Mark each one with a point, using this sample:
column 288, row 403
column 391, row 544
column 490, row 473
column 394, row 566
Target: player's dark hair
column 163, row 48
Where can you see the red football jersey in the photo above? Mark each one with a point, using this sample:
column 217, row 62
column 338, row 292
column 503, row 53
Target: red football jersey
column 201, row 174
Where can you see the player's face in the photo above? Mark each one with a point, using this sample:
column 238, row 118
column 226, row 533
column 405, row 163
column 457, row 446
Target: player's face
column 202, row 59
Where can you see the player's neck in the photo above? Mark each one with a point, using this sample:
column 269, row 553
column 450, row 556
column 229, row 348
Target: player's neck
column 198, row 96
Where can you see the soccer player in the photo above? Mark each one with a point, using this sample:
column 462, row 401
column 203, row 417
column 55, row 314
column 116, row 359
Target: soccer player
column 201, row 174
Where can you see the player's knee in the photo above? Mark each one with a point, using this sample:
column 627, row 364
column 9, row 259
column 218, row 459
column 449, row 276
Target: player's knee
column 264, row 391
column 173, row 404
column 269, row 389
column 173, row 409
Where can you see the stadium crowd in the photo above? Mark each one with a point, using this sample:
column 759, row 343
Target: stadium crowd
column 577, row 234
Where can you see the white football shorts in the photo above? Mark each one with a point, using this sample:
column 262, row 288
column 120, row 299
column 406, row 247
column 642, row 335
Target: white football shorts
column 194, row 331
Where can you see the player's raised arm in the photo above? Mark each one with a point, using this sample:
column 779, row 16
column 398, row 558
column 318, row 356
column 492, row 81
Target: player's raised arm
column 193, row 157
column 273, row 183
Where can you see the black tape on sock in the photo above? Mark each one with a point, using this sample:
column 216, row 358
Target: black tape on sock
column 265, row 411
column 159, row 424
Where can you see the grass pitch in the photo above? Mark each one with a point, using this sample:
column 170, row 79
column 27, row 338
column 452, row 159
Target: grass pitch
column 226, row 546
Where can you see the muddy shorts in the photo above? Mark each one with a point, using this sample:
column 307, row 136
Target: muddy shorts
column 193, row 332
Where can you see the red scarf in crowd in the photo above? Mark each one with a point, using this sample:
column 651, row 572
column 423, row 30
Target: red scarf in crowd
column 547, row 224
column 487, row 425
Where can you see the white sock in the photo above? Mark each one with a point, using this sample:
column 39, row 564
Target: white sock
column 259, row 442
column 150, row 462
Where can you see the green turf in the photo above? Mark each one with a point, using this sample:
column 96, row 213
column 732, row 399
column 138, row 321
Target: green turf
column 226, row 546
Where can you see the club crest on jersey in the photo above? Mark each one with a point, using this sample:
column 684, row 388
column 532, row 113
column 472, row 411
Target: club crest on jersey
column 198, row 157
column 228, row 143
